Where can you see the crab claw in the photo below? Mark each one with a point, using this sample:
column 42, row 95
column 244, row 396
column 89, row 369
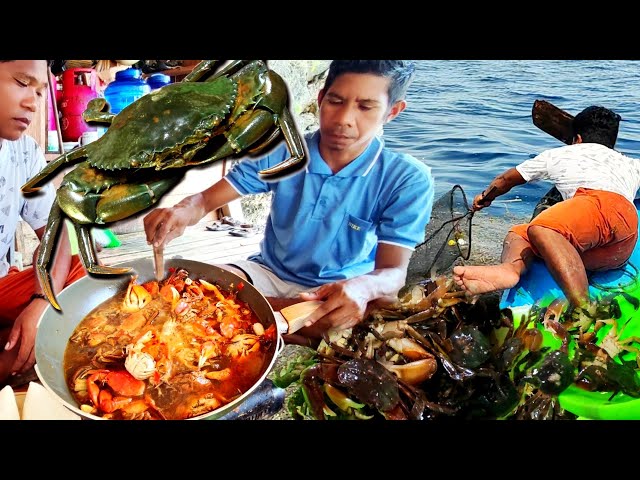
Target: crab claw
column 409, row 348
column 416, row 372
column 555, row 310
column 298, row 158
column 136, row 297
column 170, row 294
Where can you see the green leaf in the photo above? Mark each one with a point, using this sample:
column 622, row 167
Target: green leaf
column 297, row 406
column 291, row 372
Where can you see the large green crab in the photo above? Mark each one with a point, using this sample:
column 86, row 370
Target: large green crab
column 243, row 108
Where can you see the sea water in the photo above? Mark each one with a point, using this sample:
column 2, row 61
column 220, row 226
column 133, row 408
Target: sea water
column 471, row 120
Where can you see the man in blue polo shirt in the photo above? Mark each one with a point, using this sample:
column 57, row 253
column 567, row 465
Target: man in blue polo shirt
column 343, row 229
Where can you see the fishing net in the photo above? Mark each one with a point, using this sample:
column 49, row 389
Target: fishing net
column 447, row 237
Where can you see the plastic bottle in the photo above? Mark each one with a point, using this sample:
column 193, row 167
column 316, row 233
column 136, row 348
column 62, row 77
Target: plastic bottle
column 158, row 80
column 125, row 89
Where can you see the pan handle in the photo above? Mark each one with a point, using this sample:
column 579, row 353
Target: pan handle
column 282, row 326
column 281, row 323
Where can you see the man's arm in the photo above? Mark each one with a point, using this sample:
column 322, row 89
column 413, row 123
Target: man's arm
column 390, row 272
column 24, row 328
column 498, row 186
column 164, row 224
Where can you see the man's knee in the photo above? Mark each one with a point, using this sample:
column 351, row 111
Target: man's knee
column 510, row 238
column 538, row 234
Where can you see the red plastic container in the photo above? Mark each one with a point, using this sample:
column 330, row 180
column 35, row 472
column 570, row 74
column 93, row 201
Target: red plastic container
column 78, row 88
column 73, row 126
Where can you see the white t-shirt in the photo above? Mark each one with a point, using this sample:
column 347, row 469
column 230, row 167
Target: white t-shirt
column 20, row 160
column 586, row 165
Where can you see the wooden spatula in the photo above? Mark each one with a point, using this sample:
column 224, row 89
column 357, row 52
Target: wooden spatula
column 292, row 318
column 158, row 262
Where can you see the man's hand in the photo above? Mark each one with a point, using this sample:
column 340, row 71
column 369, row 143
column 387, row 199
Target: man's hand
column 24, row 333
column 164, row 224
column 479, row 202
column 345, row 304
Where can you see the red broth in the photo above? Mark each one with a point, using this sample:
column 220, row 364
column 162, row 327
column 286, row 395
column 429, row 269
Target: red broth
column 175, row 349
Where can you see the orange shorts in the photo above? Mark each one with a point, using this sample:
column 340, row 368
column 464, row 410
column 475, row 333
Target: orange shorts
column 602, row 226
column 17, row 287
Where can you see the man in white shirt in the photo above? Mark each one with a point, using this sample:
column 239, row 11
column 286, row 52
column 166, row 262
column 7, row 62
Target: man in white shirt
column 594, row 228
column 22, row 85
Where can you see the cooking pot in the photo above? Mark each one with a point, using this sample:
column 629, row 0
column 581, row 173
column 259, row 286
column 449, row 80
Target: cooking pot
column 81, row 297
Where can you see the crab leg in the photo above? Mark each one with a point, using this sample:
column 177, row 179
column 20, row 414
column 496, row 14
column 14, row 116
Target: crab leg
column 249, row 128
column 98, row 111
column 200, row 70
column 206, row 66
column 73, row 156
column 294, row 142
column 122, row 201
column 44, row 254
column 230, row 69
column 87, row 251
column 272, row 136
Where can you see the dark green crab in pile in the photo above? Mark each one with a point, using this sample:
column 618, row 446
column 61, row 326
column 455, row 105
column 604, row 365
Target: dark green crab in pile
column 436, row 354
column 209, row 116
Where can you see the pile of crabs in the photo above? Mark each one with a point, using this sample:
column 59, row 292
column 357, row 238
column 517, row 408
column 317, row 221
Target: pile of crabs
column 437, row 353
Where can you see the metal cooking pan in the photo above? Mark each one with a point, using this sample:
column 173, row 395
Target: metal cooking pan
column 82, row 296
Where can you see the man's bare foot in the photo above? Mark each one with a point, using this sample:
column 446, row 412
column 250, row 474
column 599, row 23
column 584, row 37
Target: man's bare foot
column 485, row 279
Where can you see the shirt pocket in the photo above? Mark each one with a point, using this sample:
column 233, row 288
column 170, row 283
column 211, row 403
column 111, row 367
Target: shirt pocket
column 354, row 240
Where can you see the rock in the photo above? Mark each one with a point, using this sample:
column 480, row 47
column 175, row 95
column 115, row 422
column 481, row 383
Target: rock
column 304, row 78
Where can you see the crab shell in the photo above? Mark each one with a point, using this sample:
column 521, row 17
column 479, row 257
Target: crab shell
column 175, row 121
column 140, row 365
column 178, row 120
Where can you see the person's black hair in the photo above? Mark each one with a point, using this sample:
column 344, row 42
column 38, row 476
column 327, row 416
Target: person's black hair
column 401, row 73
column 597, row 124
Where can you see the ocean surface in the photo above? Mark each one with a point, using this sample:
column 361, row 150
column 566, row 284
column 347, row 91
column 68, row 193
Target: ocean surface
column 471, row 120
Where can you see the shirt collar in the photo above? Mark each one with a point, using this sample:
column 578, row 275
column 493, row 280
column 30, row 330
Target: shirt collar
column 359, row 167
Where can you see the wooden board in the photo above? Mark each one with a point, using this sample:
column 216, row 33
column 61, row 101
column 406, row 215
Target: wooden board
column 553, row 120
column 197, row 243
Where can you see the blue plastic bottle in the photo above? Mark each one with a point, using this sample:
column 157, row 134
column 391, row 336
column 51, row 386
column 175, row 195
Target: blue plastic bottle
column 158, row 80
column 126, row 89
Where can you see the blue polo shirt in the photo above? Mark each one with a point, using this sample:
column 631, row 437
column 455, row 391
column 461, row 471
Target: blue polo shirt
column 325, row 227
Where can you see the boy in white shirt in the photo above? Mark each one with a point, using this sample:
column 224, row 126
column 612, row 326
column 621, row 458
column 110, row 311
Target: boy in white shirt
column 594, row 228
